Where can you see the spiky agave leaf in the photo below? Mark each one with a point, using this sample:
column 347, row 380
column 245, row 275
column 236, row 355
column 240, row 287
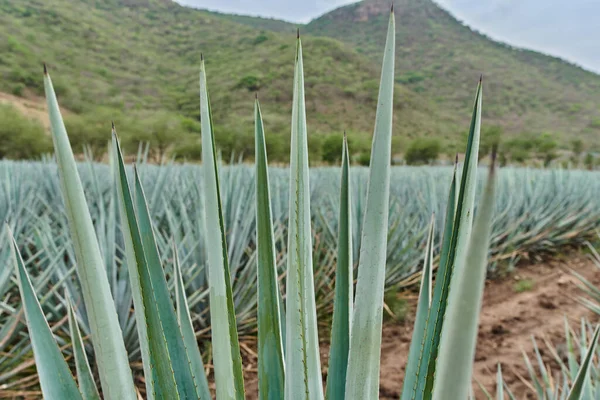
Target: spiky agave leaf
column 271, row 373
column 577, row 390
column 303, row 366
column 168, row 359
column 499, row 384
column 362, row 377
column 458, row 243
column 187, row 329
column 227, row 359
column 344, row 285
column 459, row 335
column 54, row 374
column 107, row 338
column 87, row 385
column 416, row 343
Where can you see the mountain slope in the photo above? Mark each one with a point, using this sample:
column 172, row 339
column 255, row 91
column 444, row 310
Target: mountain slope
column 135, row 55
column 439, row 57
column 128, row 59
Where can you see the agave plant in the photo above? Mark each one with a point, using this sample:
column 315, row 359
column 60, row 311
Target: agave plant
column 288, row 342
column 577, row 376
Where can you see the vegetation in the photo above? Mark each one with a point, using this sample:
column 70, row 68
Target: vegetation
column 21, row 137
column 522, row 149
column 528, row 91
column 131, row 259
column 131, row 58
column 170, row 356
column 126, row 59
column 524, row 285
column 423, row 151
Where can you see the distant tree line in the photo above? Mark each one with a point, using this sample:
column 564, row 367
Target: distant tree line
column 170, row 136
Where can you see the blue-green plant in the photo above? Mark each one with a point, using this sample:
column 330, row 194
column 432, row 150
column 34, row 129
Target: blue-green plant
column 289, row 360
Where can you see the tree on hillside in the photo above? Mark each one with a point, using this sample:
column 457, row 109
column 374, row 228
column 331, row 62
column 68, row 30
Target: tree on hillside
column 490, row 137
column 331, row 151
column 589, row 161
column 577, row 148
column 423, row 151
column 546, row 147
column 162, row 131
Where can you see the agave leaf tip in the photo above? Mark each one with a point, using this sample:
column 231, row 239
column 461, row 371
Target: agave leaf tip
column 112, row 124
column 256, row 95
column 392, row 7
column 480, row 78
column 297, row 33
column 45, row 69
column 201, row 56
column 456, row 159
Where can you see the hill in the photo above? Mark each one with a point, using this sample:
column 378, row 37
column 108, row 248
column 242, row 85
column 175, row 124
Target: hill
column 136, row 62
column 439, row 57
column 129, row 57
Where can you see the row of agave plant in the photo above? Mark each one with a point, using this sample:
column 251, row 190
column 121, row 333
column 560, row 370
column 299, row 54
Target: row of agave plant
column 550, row 209
column 288, row 345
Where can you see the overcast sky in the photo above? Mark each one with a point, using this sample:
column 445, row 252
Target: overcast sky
column 569, row 29
column 289, row 10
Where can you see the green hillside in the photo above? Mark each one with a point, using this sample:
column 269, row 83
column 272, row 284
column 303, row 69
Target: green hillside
column 439, row 57
column 136, row 62
column 129, row 56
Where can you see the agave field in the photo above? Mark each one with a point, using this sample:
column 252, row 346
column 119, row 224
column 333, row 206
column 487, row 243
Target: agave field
column 536, row 211
column 136, row 263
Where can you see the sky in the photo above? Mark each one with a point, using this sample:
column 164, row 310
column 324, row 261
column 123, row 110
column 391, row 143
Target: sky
column 565, row 28
column 290, row 10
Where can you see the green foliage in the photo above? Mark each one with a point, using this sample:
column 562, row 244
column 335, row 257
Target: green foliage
column 261, row 38
column 250, row 82
column 364, row 159
column 397, row 308
column 590, row 161
column 577, row 146
column 84, row 40
column 171, row 362
column 423, row 151
column 546, row 147
column 164, row 132
column 490, row 138
column 523, row 285
column 21, row 137
column 161, row 130
column 542, row 146
column 332, row 148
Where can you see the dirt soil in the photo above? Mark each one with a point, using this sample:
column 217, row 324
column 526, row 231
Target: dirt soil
column 31, row 106
column 509, row 319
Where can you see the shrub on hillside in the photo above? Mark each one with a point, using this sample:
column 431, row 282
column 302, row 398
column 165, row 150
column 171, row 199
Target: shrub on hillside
column 423, row 151
column 21, row 137
column 358, row 143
